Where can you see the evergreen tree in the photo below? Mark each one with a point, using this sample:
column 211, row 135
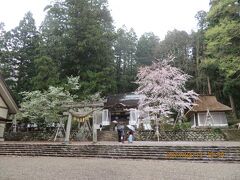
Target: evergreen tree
column 223, row 43
column 21, row 48
column 198, row 53
column 82, row 34
column 125, row 59
column 4, row 66
column 146, row 48
column 177, row 44
column 46, row 73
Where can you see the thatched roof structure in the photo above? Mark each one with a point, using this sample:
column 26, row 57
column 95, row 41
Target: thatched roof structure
column 208, row 102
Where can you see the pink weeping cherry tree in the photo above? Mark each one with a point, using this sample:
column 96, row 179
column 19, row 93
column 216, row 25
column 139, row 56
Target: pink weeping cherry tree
column 162, row 90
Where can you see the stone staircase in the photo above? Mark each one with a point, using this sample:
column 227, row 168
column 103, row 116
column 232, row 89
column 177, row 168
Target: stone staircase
column 107, row 135
column 191, row 153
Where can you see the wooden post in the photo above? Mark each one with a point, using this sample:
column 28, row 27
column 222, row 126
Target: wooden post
column 69, row 123
column 157, row 128
column 60, row 127
column 94, row 127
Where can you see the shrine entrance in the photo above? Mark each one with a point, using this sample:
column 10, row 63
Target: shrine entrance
column 122, row 114
column 103, row 116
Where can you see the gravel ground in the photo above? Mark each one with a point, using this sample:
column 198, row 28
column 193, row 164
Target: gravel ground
column 57, row 168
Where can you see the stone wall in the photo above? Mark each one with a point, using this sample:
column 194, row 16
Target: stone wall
column 29, row 136
column 43, row 136
column 231, row 134
column 179, row 135
column 182, row 135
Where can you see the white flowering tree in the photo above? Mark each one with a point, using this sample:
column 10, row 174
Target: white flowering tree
column 45, row 107
column 163, row 91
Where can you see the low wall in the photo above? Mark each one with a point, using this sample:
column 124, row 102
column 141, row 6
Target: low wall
column 179, row 135
column 182, row 135
column 231, row 134
column 42, row 136
column 29, row 136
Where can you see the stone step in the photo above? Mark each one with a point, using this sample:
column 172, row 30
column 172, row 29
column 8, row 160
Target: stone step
column 107, row 136
column 116, row 151
column 162, row 156
column 119, row 146
column 124, row 151
column 128, row 157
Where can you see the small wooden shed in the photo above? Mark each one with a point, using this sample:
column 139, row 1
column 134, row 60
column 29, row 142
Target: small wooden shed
column 7, row 106
column 208, row 112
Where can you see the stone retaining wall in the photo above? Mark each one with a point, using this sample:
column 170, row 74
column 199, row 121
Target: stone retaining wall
column 179, row 135
column 29, row 136
column 42, row 136
column 232, row 134
column 182, row 135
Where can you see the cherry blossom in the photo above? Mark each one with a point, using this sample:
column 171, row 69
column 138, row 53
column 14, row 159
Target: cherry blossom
column 163, row 91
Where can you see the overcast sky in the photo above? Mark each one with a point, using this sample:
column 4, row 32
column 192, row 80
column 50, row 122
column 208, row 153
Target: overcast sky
column 156, row 16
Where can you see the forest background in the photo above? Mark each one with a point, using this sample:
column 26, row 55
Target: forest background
column 77, row 38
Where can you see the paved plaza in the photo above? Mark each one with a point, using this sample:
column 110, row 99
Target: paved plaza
column 64, row 168
column 58, row 168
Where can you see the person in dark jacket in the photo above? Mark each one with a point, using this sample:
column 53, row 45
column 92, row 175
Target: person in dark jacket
column 122, row 134
column 120, row 130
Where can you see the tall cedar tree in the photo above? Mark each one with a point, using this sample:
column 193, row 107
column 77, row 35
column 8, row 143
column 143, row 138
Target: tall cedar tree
column 223, row 43
column 125, row 60
column 146, row 48
column 78, row 35
column 21, row 45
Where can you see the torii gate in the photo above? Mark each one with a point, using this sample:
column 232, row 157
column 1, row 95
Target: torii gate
column 71, row 113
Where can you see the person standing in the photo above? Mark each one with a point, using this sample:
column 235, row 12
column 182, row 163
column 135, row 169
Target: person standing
column 119, row 130
column 122, row 134
column 130, row 137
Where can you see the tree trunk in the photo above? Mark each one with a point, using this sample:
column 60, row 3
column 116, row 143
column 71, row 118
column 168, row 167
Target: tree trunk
column 233, row 106
column 197, row 63
column 209, row 86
